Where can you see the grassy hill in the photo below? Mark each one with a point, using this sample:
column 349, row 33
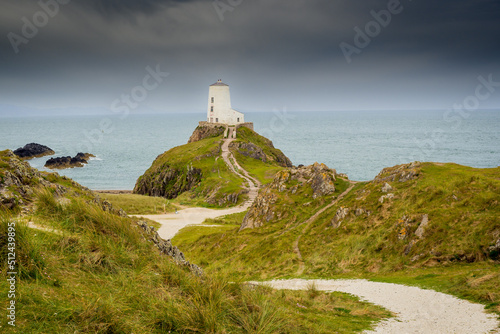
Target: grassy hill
column 84, row 267
column 413, row 220
column 195, row 173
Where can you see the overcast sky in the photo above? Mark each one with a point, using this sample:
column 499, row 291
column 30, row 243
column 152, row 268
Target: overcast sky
column 274, row 54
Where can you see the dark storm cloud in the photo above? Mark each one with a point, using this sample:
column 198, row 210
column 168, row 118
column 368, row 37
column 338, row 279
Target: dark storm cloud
column 93, row 50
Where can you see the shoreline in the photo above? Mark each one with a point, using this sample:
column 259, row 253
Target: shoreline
column 116, row 192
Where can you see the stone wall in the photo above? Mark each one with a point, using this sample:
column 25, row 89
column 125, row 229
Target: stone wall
column 214, row 125
column 246, row 125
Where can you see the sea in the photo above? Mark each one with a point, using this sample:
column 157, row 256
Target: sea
column 358, row 143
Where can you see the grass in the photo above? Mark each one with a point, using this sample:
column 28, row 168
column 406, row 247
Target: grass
column 139, row 204
column 380, row 241
column 100, row 275
column 264, row 172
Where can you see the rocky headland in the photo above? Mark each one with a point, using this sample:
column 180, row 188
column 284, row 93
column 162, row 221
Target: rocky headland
column 80, row 160
column 33, row 150
column 198, row 170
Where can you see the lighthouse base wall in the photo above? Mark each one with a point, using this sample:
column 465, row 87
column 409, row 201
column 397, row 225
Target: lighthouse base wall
column 239, row 125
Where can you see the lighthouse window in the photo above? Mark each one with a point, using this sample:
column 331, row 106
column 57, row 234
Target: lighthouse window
column 216, row 120
column 238, row 120
column 212, row 109
column 212, row 100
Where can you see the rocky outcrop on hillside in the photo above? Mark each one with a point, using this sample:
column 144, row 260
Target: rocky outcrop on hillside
column 33, row 150
column 202, row 132
column 17, row 179
column 79, row 160
column 19, row 183
column 169, row 182
column 255, row 152
column 401, row 173
column 318, row 177
column 166, row 247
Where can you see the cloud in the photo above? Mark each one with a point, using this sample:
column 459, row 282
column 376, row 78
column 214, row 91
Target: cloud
column 93, row 50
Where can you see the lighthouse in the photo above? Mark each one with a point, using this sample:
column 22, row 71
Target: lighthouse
column 219, row 106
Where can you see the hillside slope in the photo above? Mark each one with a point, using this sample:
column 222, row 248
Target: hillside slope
column 82, row 267
column 419, row 215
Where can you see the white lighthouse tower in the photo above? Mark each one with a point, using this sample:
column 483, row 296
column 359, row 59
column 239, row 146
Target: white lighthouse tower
column 219, row 106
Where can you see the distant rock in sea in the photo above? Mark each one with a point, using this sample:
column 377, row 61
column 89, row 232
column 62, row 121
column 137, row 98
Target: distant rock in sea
column 68, row 162
column 33, row 150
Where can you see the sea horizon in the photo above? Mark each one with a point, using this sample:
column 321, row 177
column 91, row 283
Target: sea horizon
column 358, row 143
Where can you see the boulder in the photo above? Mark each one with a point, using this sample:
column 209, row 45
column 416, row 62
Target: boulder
column 33, row 150
column 384, row 197
column 339, row 217
column 386, row 188
column 423, row 225
column 322, row 180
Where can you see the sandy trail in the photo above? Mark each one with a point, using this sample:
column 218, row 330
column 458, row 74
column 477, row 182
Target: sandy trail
column 172, row 223
column 417, row 310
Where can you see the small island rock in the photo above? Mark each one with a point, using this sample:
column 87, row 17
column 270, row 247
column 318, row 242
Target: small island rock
column 33, row 150
column 68, row 162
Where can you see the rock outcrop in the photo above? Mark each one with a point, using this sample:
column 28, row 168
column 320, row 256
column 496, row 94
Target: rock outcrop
column 261, row 211
column 17, row 179
column 202, row 132
column 170, row 182
column 318, row 177
column 401, row 173
column 339, row 217
column 79, row 160
column 166, row 247
column 386, row 188
column 19, row 183
column 253, row 151
column 33, row 150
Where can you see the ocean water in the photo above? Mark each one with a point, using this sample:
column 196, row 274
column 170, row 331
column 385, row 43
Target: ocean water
column 357, row 143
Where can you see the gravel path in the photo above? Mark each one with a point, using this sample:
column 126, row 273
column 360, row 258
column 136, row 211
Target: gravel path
column 171, row 223
column 417, row 310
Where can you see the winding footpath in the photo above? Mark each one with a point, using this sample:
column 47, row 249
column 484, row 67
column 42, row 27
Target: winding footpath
column 416, row 310
column 308, row 223
column 172, row 223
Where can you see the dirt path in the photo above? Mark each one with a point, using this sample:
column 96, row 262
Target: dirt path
column 308, row 223
column 253, row 184
column 416, row 310
column 171, row 223
column 45, row 229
